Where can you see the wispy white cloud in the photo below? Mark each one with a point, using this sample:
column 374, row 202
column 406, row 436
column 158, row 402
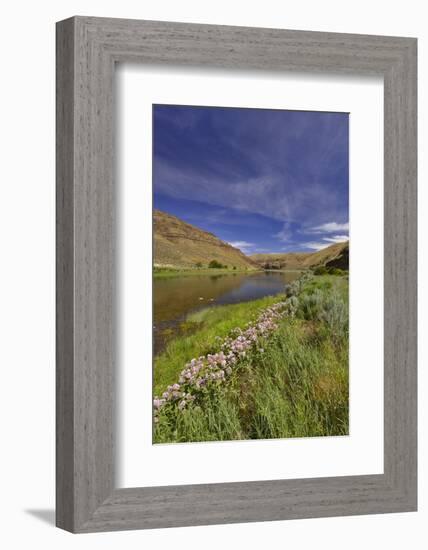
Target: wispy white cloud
column 265, row 195
column 316, row 245
column 330, row 227
column 286, row 171
column 244, row 246
column 325, row 242
column 285, row 233
column 336, row 238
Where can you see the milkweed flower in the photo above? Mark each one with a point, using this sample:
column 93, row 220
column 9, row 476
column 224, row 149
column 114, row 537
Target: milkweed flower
column 213, row 369
column 157, row 403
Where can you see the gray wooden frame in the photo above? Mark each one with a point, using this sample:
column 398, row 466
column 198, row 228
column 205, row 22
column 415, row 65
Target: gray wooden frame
column 87, row 50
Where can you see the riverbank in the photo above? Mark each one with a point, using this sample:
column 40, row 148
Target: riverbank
column 162, row 272
column 291, row 382
column 205, row 327
column 175, row 298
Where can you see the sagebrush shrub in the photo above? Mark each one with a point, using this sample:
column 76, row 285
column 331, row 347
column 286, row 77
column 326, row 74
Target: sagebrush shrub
column 326, row 307
column 335, row 313
column 311, row 305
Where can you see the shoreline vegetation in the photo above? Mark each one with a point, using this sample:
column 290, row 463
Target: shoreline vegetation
column 275, row 367
column 173, row 271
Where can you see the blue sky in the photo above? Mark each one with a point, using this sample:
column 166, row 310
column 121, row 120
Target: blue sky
column 263, row 180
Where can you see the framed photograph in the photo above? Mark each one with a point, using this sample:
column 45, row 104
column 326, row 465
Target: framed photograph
column 236, row 274
column 251, row 273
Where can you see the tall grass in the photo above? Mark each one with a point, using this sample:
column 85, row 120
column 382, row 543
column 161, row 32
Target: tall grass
column 207, row 326
column 294, row 385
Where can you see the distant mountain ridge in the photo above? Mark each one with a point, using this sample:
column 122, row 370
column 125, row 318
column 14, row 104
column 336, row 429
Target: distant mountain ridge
column 336, row 255
column 180, row 244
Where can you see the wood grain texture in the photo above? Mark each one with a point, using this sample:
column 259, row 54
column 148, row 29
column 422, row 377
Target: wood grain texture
column 64, row 276
column 87, row 49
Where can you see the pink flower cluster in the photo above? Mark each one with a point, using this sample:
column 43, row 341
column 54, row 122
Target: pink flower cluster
column 216, row 368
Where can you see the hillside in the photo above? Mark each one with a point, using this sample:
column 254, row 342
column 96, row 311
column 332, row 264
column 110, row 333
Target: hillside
column 335, row 255
column 179, row 244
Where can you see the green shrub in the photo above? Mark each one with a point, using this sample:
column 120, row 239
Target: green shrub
column 311, row 305
column 214, row 264
column 320, row 270
column 293, row 289
column 328, row 270
column 335, row 313
column 336, row 271
column 328, row 308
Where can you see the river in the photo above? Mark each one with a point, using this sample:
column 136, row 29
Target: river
column 176, row 297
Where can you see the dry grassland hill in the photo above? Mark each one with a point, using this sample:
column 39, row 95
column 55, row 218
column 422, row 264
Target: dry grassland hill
column 179, row 244
column 336, row 255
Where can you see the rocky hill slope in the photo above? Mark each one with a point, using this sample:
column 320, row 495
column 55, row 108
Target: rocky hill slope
column 336, row 255
column 179, row 244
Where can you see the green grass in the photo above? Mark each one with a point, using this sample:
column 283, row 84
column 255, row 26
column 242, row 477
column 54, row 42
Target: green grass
column 298, row 387
column 328, row 283
column 210, row 324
